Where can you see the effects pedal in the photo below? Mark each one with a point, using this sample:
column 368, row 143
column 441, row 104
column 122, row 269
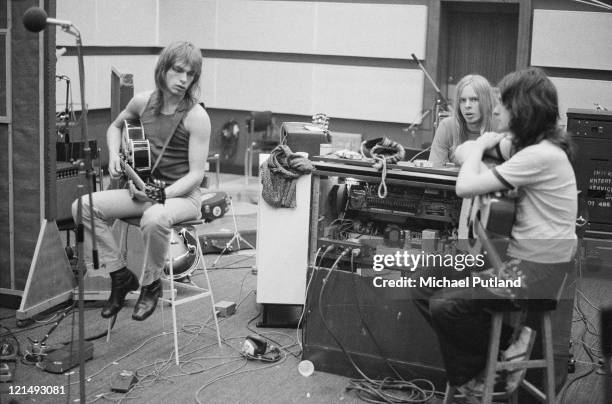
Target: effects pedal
column 123, row 381
column 67, row 357
column 225, row 308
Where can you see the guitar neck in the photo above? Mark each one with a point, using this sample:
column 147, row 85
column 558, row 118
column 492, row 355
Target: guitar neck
column 133, row 175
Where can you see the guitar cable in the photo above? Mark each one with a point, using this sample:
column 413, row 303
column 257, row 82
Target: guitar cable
column 371, row 390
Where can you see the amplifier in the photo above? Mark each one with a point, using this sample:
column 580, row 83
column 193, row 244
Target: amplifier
column 68, row 180
column 377, row 326
column 67, row 357
column 592, row 133
column 304, row 137
column 589, row 123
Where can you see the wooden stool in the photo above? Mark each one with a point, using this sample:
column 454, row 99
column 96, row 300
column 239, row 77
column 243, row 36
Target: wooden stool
column 544, row 309
column 192, row 291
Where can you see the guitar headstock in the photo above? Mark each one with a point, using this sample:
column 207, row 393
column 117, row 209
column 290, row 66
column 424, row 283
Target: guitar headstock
column 156, row 190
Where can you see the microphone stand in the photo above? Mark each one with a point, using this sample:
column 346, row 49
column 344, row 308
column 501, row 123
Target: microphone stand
column 86, row 168
column 441, row 103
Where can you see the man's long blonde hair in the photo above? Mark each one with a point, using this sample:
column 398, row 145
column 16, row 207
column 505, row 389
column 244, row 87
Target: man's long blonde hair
column 187, row 53
column 486, row 100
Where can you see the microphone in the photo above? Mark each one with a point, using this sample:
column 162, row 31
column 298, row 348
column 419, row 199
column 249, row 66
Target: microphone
column 35, row 20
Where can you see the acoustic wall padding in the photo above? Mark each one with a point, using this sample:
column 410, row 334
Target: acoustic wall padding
column 581, row 39
column 372, row 30
column 358, row 92
column 111, row 22
column 254, row 75
column 98, row 77
column 581, row 93
column 352, row 92
column 266, row 26
column 366, row 29
column 263, row 85
column 98, row 73
column 368, row 93
column 193, row 20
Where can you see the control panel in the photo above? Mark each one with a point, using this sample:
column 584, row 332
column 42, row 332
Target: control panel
column 354, row 224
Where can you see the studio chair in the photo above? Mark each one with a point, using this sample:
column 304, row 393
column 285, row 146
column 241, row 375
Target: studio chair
column 187, row 290
column 259, row 139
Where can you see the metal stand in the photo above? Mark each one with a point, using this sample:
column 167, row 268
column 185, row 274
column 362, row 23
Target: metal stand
column 36, row 20
column 237, row 237
column 440, row 107
column 85, row 167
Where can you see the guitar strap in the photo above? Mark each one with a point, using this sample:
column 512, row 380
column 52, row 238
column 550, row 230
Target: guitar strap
column 176, row 120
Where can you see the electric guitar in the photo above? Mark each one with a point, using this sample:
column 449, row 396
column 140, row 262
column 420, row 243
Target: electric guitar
column 154, row 189
column 184, row 250
column 135, row 147
column 136, row 160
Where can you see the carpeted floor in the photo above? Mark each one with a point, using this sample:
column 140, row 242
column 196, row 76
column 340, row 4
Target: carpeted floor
column 211, row 374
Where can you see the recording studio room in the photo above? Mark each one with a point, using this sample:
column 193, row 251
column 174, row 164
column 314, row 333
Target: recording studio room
column 281, row 201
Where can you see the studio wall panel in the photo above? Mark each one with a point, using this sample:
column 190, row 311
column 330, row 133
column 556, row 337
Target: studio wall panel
column 191, row 20
column 127, row 23
column 581, row 39
column 81, row 13
column 264, row 85
column 371, row 30
column 267, row 26
column 67, row 66
column 579, row 93
column 110, row 22
column 368, row 93
column 345, row 29
column 97, row 77
column 208, row 82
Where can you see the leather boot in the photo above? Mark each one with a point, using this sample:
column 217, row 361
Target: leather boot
column 145, row 306
column 123, row 281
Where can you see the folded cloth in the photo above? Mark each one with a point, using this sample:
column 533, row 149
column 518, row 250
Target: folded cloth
column 279, row 176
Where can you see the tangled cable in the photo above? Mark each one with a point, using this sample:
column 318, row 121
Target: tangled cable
column 384, row 151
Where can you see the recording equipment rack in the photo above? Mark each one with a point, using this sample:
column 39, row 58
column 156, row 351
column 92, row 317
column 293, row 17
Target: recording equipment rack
column 350, row 223
column 413, row 201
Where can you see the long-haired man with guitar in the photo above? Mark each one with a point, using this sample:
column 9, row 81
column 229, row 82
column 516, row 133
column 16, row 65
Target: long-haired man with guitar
column 543, row 240
column 177, row 129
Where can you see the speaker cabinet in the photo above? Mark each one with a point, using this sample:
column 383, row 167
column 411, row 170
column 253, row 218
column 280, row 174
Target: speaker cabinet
column 377, row 326
column 304, row 137
column 592, row 133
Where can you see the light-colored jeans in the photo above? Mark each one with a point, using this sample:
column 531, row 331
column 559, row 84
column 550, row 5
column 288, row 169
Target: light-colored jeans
column 155, row 225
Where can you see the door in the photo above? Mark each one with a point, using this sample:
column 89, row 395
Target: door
column 477, row 37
